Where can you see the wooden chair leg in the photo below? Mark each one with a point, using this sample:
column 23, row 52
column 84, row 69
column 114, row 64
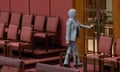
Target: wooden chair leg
column 101, row 65
column 5, row 50
column 46, row 43
column 9, row 51
column 33, row 48
column 20, row 52
column 94, row 65
column 118, row 66
column 112, row 66
column 85, row 64
column 61, row 58
column 22, row 67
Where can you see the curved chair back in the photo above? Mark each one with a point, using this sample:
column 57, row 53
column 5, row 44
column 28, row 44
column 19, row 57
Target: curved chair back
column 39, row 24
column 27, row 20
column 11, row 64
column 15, row 18
column 105, row 45
column 52, row 23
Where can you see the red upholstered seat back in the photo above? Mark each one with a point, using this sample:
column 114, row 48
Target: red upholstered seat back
column 105, row 44
column 26, row 33
column 15, row 18
column 39, row 23
column 52, row 23
column 27, row 20
column 12, row 32
column 4, row 17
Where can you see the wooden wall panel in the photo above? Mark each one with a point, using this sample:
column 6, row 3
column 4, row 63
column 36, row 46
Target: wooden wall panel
column 4, row 5
column 40, row 7
column 21, row 6
column 60, row 8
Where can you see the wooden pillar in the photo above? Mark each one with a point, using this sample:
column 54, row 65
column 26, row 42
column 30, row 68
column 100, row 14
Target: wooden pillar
column 78, row 4
column 116, row 19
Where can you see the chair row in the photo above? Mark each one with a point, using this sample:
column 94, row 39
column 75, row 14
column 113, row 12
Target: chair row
column 15, row 18
column 23, row 36
column 12, row 42
column 106, row 55
column 38, row 21
column 17, row 65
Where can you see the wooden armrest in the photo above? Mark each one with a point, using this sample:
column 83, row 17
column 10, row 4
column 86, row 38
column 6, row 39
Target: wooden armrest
column 104, row 56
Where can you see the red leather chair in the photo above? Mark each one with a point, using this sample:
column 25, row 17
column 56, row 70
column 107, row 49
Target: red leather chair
column 12, row 35
column 104, row 50
column 25, row 41
column 50, row 31
column 39, row 27
column 114, row 60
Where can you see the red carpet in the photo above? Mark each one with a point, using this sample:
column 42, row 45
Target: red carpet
column 90, row 68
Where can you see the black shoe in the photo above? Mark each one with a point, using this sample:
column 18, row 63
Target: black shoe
column 66, row 65
column 78, row 65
